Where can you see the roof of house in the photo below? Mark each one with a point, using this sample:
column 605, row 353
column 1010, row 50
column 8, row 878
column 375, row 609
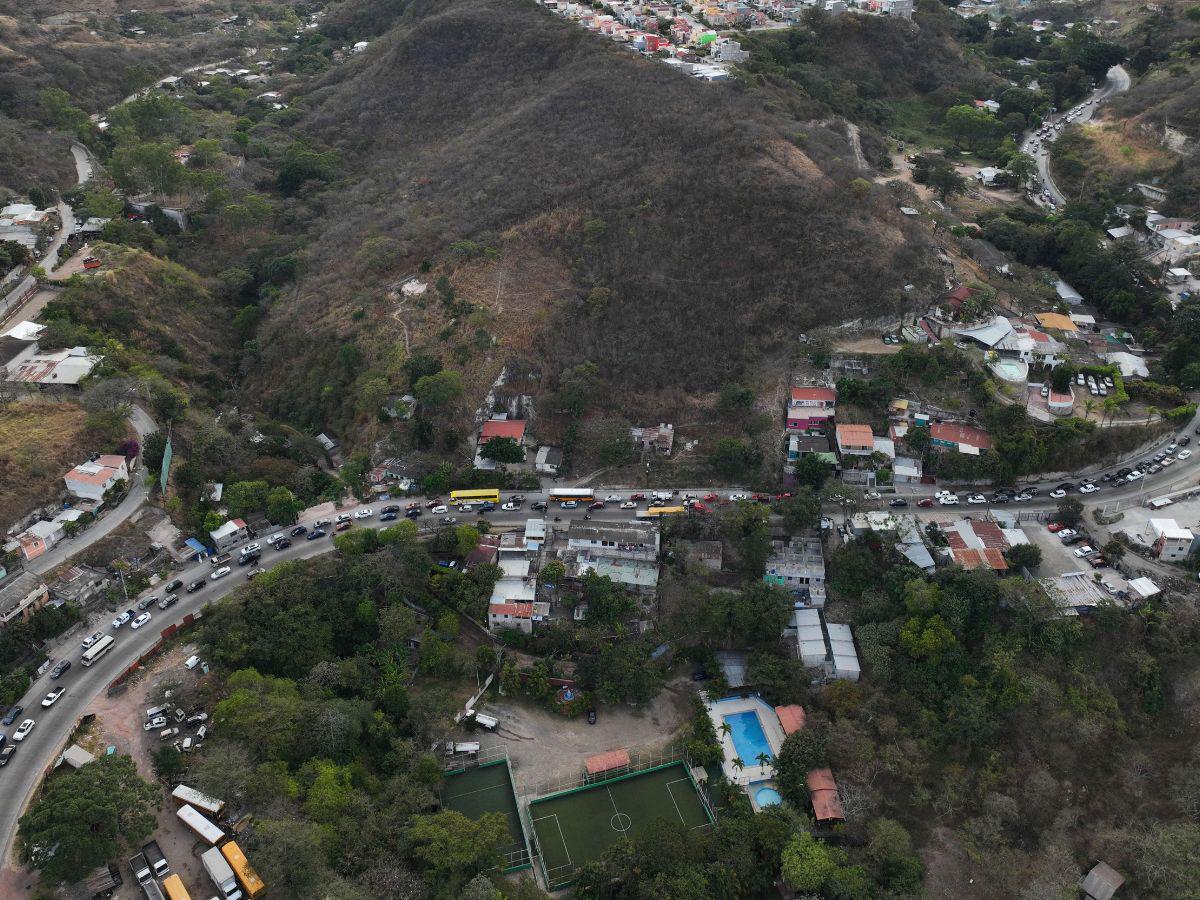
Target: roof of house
column 230, row 527
column 1102, row 882
column 958, row 433
column 18, row 589
column 855, row 435
column 980, row 559
column 520, row 610
column 1066, row 292
column 990, row 334
column 1056, row 320
column 822, row 791
column 509, row 428
column 1144, row 587
column 91, row 473
column 613, row 532
column 828, row 395
column 606, row 761
column 1169, row 528
column 791, row 717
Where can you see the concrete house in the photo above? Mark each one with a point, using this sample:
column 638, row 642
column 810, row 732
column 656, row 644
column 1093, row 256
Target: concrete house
column 91, row 480
column 957, row 436
column 229, row 535
column 1171, row 541
column 798, row 568
column 21, row 596
column 855, row 440
column 811, row 409
column 628, row 540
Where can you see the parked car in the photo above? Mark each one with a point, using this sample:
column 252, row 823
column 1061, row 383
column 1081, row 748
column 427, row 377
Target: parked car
column 122, row 619
column 195, row 586
column 220, row 573
column 142, row 619
column 440, row 510
column 61, row 669
column 197, row 719
column 51, row 698
column 147, row 602
column 171, row 599
column 365, row 513
column 254, row 573
column 343, row 526
column 925, row 502
column 1085, row 550
column 192, row 662
column 394, row 508
column 249, row 559
column 388, row 517
column 11, row 715
column 1185, row 454
column 636, row 496
column 298, row 530
column 948, row 500
column 977, row 499
column 154, row 723
column 283, row 543
column 598, row 504
column 538, row 506
column 414, row 513
column 167, row 733
column 1053, row 527
column 23, row 730
column 1057, row 493
column 1088, row 488
column 510, row 506
column 591, row 717
column 91, row 639
column 898, row 502
column 316, row 533
column 6, row 754
column 250, row 549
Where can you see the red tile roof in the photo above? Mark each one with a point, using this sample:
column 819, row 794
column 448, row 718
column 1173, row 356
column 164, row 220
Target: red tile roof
column 855, row 435
column 980, row 559
column 959, row 433
column 606, row 761
column 791, row 717
column 822, row 791
column 509, row 428
column 520, row 610
column 828, row 395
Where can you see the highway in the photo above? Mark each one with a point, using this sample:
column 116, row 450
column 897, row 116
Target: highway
column 54, row 725
column 1116, row 81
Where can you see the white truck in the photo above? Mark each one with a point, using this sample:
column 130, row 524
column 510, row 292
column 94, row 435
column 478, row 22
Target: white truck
column 221, row 874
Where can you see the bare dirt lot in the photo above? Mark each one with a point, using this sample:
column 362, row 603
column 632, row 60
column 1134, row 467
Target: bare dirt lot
column 544, row 747
column 867, row 343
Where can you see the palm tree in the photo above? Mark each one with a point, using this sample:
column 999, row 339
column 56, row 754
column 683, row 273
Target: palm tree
column 726, row 729
column 1088, row 406
column 763, row 759
column 738, row 764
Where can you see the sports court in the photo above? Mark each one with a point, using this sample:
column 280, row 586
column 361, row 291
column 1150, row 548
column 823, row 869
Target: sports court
column 483, row 789
column 575, row 827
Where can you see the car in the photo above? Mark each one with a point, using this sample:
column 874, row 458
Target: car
column 1185, row 440
column 568, row 504
column 61, row 669
column 343, row 517
column 538, row 505
column 1172, row 447
column 1002, row 498
column 147, row 602
column 1022, row 497
column 591, row 717
column 735, row 498
column 192, row 662
column 249, row 559
column 11, row 715
column 613, row 498
column 220, row 573
column 254, row 573
column 364, row 513
column 1097, row 561
column 510, row 506
column 598, row 504
column 315, row 533
column 872, row 495
column 140, row 621
column 343, row 526
column 440, row 510
column 298, row 530
column 977, row 499
column 51, row 698
column 250, row 549
column 201, row 732
column 195, row 586
column 1045, row 390
column 91, row 639
column 1084, row 550
column 154, row 722
column 448, row 563
column 6, row 754
column 1154, row 469
column 1185, row 454
column 122, row 619
column 414, row 513
column 628, row 504
column 1123, row 473
column 1054, row 527
column 23, row 730
column 897, row 502
column 925, row 502
column 487, row 507
column 389, row 517
column 1169, row 461
column 1107, row 476
column 948, row 500
column 171, row 599
column 1057, row 494
column 197, row 719
column 284, row 543
column 517, row 498
column 448, row 520
column 710, row 497
column 1088, row 488
column 1134, row 475
column 1072, row 539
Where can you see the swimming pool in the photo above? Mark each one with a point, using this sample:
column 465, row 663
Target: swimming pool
column 1011, row 370
column 748, row 737
column 766, row 795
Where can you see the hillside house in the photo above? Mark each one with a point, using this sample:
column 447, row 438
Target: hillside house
column 229, row 535
column 518, row 616
column 21, row 596
column 627, row 540
column 659, row 438
column 823, row 794
column 500, row 427
column 801, row 445
column 93, row 479
column 798, row 568
column 958, row 436
column 976, row 544
column 1172, row 542
column 811, row 409
column 1031, row 346
column 855, row 440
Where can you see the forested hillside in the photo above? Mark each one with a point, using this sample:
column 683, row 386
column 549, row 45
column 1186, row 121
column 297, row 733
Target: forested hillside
column 695, row 232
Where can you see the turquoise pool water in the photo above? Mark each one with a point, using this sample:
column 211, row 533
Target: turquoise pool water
column 766, row 796
column 748, row 737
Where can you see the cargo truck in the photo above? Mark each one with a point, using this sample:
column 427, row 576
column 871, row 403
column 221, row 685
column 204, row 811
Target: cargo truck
column 221, row 874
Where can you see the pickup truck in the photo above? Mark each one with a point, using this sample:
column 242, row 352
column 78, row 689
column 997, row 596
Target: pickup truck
column 140, row 868
column 155, row 857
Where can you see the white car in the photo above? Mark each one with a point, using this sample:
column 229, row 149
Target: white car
column 251, row 548
column 1185, row 454
column 613, row 498
column 510, row 507
column 1134, row 475
column 140, row 621
column 1088, row 488
column 364, row 513
column 275, row 538
column 52, row 697
column 344, row 517
column 439, row 510
column 872, row 495
column 1085, row 550
column 737, row 497
column 628, row 504
column 948, row 499
column 121, row 620
column 1057, row 494
column 91, row 639
column 23, row 730
column 192, row 662
column 220, row 573
column 977, row 498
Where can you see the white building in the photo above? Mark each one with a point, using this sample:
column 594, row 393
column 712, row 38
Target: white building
column 1171, row 541
column 630, row 540
column 229, row 535
column 91, row 480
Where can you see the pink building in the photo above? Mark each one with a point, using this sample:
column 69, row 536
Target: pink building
column 811, row 409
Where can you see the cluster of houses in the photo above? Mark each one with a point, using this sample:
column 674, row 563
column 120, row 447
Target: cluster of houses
column 626, row 552
column 24, row 224
column 23, row 360
column 87, row 485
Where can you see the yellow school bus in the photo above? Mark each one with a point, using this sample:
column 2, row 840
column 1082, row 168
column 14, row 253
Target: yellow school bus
column 478, row 496
column 246, row 876
column 655, row 512
column 174, row 889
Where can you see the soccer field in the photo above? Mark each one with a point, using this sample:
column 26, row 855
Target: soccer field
column 487, row 788
column 575, row 827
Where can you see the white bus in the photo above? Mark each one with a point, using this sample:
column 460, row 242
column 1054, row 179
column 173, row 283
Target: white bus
column 202, row 802
column 204, row 829
column 579, row 495
column 97, row 650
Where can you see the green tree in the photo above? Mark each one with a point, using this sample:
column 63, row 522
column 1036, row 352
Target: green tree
column 801, row 752
column 450, row 849
column 813, row 471
column 806, row 863
column 246, row 497
column 440, row 389
column 1022, row 168
column 734, row 459
column 503, row 450
column 1113, row 551
column 1069, row 512
column 59, row 111
column 167, row 762
column 282, row 506
column 1028, row 556
column 467, row 537
column 892, row 857
column 971, row 127
column 553, row 572
column 801, row 511
column 83, row 819
column 608, row 441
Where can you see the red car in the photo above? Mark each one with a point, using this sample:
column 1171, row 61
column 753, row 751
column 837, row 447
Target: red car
column 784, row 496
column 599, row 504
column 710, row 498
column 925, row 502
column 432, row 503
column 637, row 496
column 700, row 507
column 761, row 498
column 1054, row 526
column 90, row 262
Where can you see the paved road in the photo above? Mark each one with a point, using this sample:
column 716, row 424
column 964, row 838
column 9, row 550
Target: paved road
column 1116, row 82
column 102, row 527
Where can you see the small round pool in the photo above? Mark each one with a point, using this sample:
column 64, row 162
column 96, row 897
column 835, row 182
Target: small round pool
column 768, row 797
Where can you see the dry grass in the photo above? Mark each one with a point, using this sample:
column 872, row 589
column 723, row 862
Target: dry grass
column 1123, row 150
column 39, row 441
